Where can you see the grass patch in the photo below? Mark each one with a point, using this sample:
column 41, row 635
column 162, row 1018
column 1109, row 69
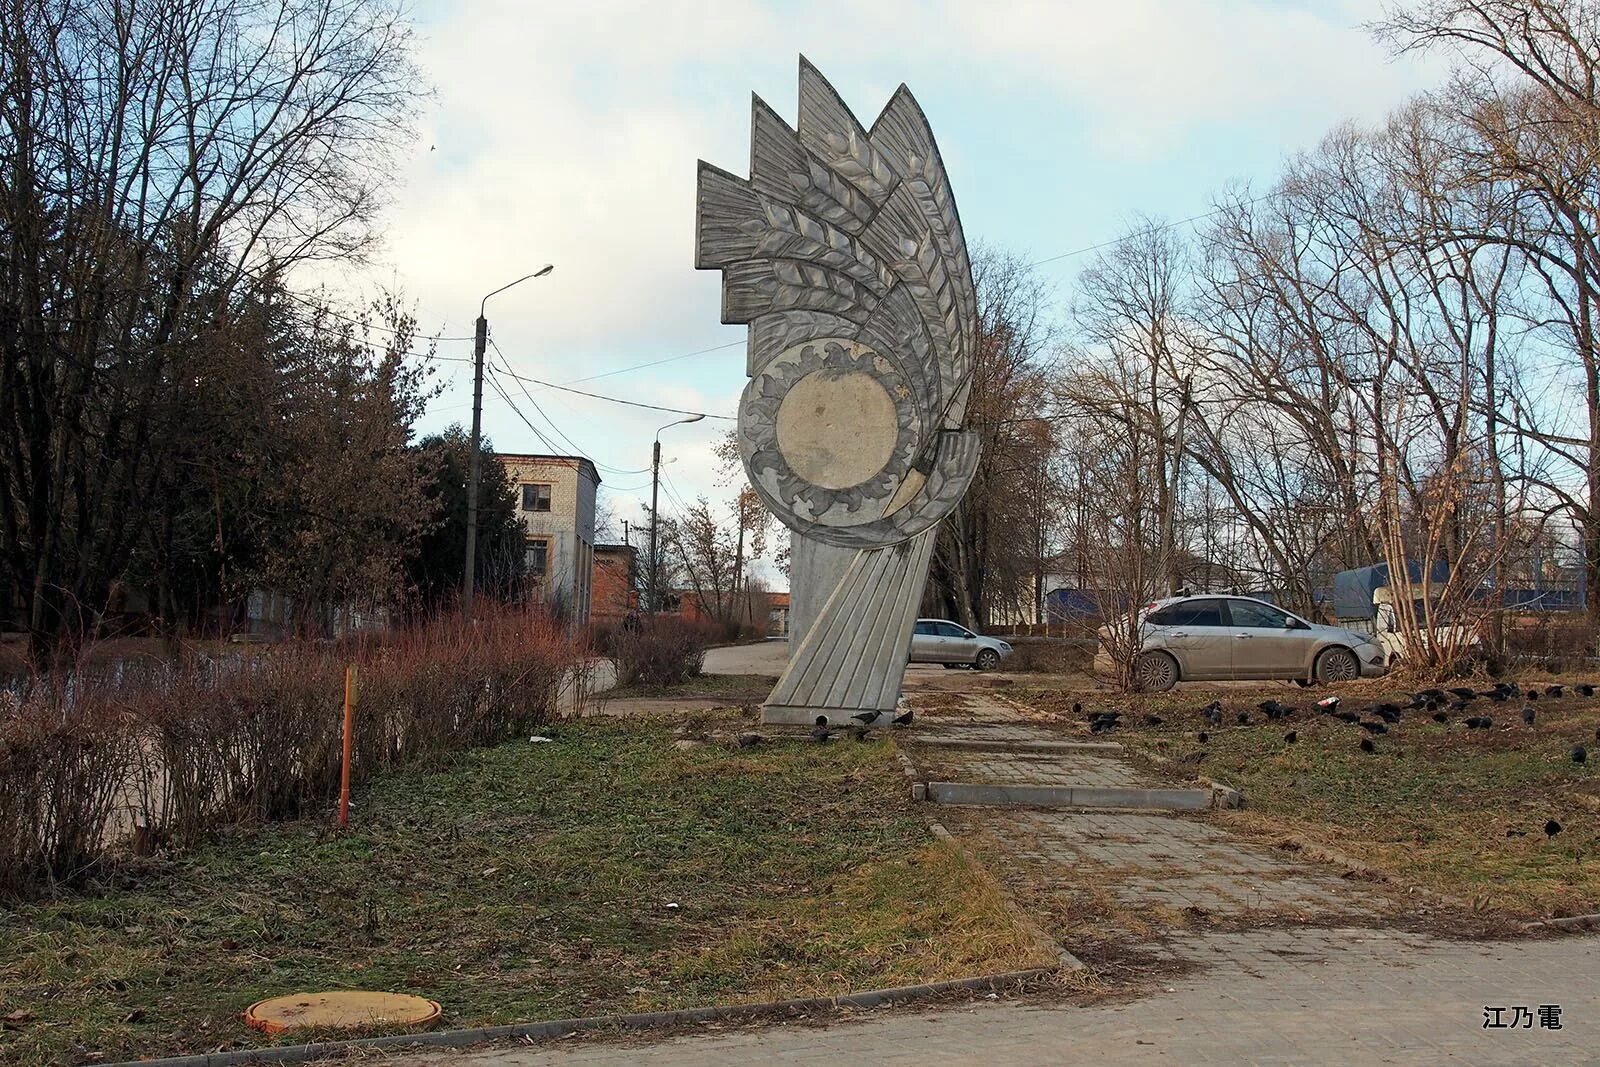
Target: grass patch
column 604, row 871
column 733, row 688
column 1459, row 811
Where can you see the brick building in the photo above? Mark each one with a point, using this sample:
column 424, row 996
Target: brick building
column 615, row 589
column 555, row 501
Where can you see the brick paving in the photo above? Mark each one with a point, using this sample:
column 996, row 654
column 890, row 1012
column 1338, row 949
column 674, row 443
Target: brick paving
column 1162, row 860
column 1272, row 997
column 1011, row 768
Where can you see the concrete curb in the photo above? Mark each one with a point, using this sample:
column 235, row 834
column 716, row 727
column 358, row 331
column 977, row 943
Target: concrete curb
column 872, row 998
column 1021, row 747
column 1068, row 796
column 1568, row 922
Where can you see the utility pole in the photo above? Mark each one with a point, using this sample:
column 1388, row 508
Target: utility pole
column 480, row 342
column 1169, row 550
column 655, row 488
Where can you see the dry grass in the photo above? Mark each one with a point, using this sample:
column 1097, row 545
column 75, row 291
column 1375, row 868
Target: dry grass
column 604, row 871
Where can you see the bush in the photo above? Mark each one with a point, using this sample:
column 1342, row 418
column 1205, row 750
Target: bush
column 163, row 756
column 663, row 651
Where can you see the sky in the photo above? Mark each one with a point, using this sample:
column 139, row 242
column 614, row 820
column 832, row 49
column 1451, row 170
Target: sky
column 569, row 134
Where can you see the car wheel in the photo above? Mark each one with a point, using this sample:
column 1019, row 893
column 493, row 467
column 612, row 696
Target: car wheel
column 1338, row 665
column 1155, row 672
column 988, row 659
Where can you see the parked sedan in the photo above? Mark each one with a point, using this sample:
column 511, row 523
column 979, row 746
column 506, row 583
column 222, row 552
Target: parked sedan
column 942, row 641
column 1200, row 638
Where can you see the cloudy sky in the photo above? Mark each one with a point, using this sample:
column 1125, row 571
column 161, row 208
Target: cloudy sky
column 568, row 133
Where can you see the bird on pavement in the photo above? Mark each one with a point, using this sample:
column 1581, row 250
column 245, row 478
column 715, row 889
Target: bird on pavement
column 902, row 719
column 1579, row 754
column 867, row 718
column 1367, row 745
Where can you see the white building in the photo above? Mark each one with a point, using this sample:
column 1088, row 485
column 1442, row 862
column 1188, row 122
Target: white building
column 555, row 500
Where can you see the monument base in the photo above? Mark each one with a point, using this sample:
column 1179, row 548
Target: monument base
column 838, row 718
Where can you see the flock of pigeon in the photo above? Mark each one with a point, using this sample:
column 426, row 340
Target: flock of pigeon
column 859, row 728
column 1439, row 705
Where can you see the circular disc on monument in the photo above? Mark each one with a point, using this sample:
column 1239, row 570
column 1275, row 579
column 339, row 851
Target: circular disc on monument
column 344, row 1009
column 829, row 429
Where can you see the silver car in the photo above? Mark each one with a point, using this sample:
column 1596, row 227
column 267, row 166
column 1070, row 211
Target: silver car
column 1206, row 638
column 942, row 641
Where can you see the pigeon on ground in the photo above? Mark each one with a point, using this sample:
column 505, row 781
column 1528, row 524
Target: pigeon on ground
column 1579, row 754
column 1202, row 737
column 1244, row 718
column 1291, row 737
column 1498, row 695
column 1348, row 716
column 867, row 718
column 1463, row 692
column 1192, row 758
column 1077, row 709
column 1527, row 714
column 820, row 732
column 1478, row 722
column 1387, row 712
column 1597, row 733
column 1440, row 716
column 902, row 719
column 1533, row 694
column 1367, row 745
column 1273, row 709
column 1554, row 690
column 1552, row 828
column 1586, row 689
column 859, row 733
column 751, row 740
column 1373, row 727
column 1153, row 720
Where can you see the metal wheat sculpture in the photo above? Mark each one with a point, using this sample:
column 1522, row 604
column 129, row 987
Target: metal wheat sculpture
column 844, row 254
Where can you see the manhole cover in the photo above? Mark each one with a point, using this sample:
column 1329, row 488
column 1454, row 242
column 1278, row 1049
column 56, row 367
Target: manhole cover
column 343, row 1009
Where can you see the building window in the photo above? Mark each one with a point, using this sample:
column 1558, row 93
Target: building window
column 536, row 498
column 538, row 558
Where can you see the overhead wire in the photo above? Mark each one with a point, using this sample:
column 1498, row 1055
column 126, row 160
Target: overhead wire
column 506, row 369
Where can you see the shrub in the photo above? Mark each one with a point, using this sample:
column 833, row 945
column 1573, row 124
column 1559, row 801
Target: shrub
column 162, row 756
column 663, row 651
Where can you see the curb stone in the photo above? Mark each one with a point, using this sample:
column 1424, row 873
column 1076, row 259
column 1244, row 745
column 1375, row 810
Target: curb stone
column 872, row 998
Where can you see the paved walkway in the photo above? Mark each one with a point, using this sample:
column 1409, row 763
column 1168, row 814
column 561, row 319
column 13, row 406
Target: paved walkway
column 1272, row 997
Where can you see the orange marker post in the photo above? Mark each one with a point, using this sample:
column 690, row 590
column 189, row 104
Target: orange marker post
column 349, row 736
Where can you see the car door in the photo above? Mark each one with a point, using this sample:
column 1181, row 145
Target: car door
column 1196, row 632
column 1267, row 642
column 925, row 642
column 958, row 644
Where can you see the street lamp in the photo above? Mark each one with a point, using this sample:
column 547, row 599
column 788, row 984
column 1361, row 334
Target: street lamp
column 655, row 486
column 479, row 343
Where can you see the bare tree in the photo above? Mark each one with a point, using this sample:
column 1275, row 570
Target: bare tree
column 161, row 161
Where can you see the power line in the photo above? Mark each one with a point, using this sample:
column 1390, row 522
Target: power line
column 617, row 399
column 546, row 416
column 654, row 363
column 1145, row 232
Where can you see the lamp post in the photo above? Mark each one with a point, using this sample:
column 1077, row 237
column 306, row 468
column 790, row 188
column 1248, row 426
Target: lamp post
column 479, row 343
column 655, row 487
